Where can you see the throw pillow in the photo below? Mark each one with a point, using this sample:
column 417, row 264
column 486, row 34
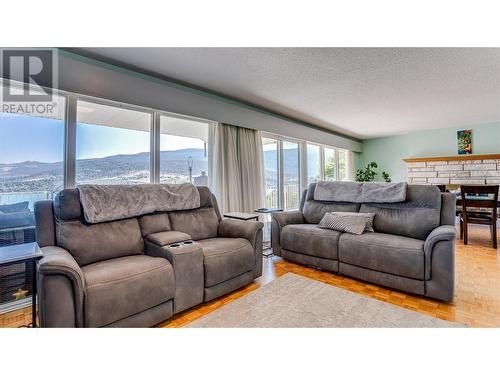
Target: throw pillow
column 350, row 222
column 14, row 207
column 369, row 216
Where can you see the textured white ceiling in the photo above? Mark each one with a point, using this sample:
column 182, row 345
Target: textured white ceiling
column 361, row 92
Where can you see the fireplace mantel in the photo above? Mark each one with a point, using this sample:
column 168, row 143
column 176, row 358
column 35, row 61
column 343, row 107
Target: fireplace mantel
column 454, row 170
column 452, row 158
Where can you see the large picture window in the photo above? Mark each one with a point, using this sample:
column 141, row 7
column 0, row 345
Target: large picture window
column 343, row 156
column 330, row 169
column 313, row 163
column 270, row 147
column 290, row 166
column 183, row 151
column 291, row 175
column 112, row 145
column 31, row 168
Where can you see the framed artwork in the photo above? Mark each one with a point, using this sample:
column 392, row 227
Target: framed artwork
column 464, row 142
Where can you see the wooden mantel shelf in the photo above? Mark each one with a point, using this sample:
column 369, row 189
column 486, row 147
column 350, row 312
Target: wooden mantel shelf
column 451, row 158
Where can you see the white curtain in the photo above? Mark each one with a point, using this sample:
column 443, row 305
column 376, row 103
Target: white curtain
column 224, row 171
column 251, row 161
column 350, row 166
column 235, row 162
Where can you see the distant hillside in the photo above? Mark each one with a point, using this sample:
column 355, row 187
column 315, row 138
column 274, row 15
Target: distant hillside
column 40, row 176
column 176, row 159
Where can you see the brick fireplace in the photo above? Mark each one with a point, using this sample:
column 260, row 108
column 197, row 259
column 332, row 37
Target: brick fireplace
column 454, row 170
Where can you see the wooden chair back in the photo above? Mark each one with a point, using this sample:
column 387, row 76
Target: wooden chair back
column 480, row 196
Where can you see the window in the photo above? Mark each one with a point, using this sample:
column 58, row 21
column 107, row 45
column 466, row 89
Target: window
column 330, row 165
column 31, row 168
column 112, row 145
column 270, row 147
column 291, row 175
column 343, row 155
column 313, row 163
column 183, row 151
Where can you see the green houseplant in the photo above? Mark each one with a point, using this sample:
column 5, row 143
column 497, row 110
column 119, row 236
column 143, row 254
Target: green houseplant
column 368, row 174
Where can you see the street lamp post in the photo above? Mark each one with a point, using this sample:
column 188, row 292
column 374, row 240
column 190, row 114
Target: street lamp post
column 190, row 168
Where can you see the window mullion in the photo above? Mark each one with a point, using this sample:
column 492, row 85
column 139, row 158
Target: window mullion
column 70, row 143
column 155, row 148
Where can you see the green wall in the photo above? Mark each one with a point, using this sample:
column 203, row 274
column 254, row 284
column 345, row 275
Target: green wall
column 388, row 152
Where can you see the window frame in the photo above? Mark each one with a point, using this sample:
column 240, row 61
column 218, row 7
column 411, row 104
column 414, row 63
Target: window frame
column 303, row 163
column 70, row 123
column 156, row 139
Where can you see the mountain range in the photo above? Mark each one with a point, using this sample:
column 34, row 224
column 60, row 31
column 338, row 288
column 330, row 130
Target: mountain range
column 44, row 176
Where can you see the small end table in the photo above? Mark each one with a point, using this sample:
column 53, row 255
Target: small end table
column 267, row 250
column 242, row 216
column 24, row 253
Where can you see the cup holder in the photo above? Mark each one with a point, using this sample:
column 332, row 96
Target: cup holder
column 175, row 245
column 188, row 242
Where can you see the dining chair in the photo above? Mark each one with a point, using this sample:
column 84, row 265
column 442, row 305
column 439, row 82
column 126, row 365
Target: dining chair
column 484, row 198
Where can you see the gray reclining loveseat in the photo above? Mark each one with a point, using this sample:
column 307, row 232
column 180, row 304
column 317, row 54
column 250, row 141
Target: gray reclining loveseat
column 412, row 248
column 138, row 271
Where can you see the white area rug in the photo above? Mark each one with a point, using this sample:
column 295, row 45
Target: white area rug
column 293, row 301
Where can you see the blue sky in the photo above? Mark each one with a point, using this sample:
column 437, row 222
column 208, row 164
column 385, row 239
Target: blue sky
column 25, row 138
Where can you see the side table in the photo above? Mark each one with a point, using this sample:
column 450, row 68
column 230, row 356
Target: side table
column 267, row 250
column 24, row 253
column 241, row 216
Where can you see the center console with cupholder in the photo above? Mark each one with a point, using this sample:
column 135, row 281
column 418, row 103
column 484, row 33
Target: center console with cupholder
column 187, row 261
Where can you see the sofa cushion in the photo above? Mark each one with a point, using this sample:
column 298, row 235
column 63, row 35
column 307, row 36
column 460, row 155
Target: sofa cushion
column 397, row 255
column 154, row 223
column 199, row 224
column 314, row 211
column 225, row 258
column 67, row 205
column 415, row 218
column 311, row 240
column 118, row 288
column 167, row 237
column 89, row 243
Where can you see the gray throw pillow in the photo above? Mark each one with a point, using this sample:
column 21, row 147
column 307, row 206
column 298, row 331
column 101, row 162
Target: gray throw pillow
column 15, row 207
column 350, row 222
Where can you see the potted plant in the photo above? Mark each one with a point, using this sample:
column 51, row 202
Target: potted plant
column 368, row 174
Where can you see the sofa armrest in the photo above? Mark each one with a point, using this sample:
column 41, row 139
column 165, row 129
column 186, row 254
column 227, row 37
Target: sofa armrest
column 288, row 217
column 278, row 221
column 250, row 230
column 61, row 286
column 240, row 229
column 445, row 233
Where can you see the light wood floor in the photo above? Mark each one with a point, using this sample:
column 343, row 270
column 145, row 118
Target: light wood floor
column 477, row 289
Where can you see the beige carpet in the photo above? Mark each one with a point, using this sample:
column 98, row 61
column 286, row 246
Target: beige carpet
column 294, row 301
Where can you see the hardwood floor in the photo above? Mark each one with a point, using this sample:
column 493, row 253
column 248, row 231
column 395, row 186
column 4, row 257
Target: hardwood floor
column 477, row 288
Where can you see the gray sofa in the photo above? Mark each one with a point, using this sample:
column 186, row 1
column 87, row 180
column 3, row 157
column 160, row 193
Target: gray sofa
column 412, row 248
column 139, row 271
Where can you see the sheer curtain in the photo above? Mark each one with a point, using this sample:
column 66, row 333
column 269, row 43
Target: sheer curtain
column 251, row 161
column 235, row 162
